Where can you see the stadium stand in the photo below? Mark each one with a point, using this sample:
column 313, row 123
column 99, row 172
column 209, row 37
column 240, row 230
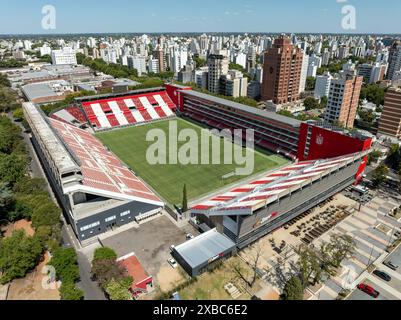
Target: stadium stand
column 96, row 191
column 250, row 211
column 129, row 109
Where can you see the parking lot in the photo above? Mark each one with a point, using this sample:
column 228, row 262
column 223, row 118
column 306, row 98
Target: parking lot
column 359, row 295
column 150, row 241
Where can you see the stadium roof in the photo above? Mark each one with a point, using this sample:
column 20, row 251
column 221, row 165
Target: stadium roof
column 103, row 173
column 261, row 113
column 61, row 156
column 117, row 95
column 203, row 248
column 246, row 199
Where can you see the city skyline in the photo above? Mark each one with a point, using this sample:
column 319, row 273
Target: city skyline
column 251, row 16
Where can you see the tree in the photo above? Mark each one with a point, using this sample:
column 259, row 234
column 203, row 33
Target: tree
column 104, row 253
column 293, row 289
column 374, row 156
column 309, row 266
column 311, row 103
column 65, row 262
column 12, row 168
column 48, row 214
column 118, row 290
column 68, row 291
column 184, row 199
column 106, row 270
column 379, row 175
column 18, row 114
column 323, row 102
column 393, row 159
column 310, row 83
column 29, row 186
column 18, row 255
column 342, row 247
column 373, row 93
column 199, row 61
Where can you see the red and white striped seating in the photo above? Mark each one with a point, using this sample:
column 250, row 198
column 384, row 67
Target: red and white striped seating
column 129, row 110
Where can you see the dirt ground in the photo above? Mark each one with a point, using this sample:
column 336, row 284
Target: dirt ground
column 31, row 288
column 19, row 225
column 210, row 285
column 169, row 278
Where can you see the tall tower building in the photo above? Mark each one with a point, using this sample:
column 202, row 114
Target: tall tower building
column 218, row 66
column 343, row 100
column 159, row 55
column 282, row 72
column 394, row 60
column 390, row 121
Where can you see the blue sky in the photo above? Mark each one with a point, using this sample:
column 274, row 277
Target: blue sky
column 84, row 16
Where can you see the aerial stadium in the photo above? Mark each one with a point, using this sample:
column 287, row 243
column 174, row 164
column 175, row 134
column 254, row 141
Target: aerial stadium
column 94, row 155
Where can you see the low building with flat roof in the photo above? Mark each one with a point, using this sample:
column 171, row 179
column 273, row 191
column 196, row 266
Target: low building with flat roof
column 203, row 252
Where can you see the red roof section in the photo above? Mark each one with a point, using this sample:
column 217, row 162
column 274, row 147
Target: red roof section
column 135, row 270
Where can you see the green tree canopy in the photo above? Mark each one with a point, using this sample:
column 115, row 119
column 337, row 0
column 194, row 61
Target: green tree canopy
column 118, row 290
column 68, row 291
column 379, row 175
column 293, row 289
column 64, row 260
column 18, row 255
column 104, row 253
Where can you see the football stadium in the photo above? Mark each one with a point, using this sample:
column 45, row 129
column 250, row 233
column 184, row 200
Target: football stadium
column 94, row 153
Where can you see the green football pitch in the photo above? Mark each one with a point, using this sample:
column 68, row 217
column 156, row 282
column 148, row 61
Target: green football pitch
column 168, row 180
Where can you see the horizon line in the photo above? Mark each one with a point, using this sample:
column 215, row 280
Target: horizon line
column 196, row 32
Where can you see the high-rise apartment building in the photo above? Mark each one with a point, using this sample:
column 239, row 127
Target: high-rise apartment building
column 217, row 66
column 394, row 60
column 282, row 72
column 304, row 72
column 390, row 121
column 322, row 87
column 158, row 54
column 343, row 99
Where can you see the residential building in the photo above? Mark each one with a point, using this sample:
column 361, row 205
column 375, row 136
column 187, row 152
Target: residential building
column 64, row 56
column 390, row 121
column 394, row 59
column 282, row 72
column 218, row 66
column 322, row 87
column 304, row 72
column 343, row 99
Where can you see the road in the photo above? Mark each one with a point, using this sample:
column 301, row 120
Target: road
column 90, row 288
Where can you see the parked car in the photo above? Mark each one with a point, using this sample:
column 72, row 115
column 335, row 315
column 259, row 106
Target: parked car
column 190, row 236
column 172, row 263
column 368, row 290
column 391, row 265
column 382, row 275
column 172, row 248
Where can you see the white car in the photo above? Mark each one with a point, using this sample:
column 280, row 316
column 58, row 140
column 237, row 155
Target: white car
column 172, row 263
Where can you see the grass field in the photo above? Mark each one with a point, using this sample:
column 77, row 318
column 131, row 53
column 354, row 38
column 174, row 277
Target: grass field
column 131, row 147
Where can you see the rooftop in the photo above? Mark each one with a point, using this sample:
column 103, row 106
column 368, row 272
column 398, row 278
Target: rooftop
column 39, row 90
column 258, row 112
column 250, row 197
column 134, row 268
column 208, row 246
column 60, row 155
